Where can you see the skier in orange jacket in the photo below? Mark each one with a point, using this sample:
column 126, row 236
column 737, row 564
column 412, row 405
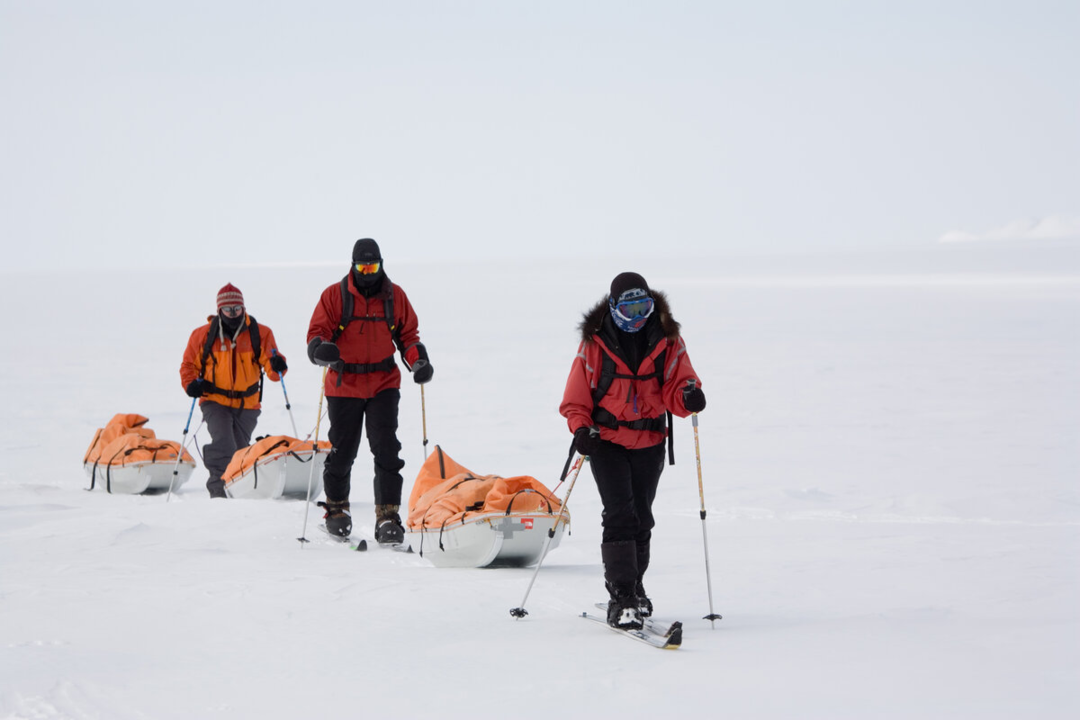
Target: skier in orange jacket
column 223, row 365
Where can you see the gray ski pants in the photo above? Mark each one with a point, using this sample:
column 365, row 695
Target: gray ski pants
column 230, row 429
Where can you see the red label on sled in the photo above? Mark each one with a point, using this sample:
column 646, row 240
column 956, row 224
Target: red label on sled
column 527, row 522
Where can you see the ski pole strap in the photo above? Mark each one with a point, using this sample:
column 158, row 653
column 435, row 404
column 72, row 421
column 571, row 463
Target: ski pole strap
column 670, row 439
column 566, row 467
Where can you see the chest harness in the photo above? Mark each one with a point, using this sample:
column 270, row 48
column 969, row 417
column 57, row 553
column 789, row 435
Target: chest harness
column 604, row 418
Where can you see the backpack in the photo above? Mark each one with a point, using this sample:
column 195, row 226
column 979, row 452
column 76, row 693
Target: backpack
column 256, row 349
column 657, row 424
column 347, row 305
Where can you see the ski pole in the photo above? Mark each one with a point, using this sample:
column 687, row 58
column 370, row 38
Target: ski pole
column 180, row 452
column 423, row 418
column 520, row 612
column 314, row 451
column 287, row 405
column 712, row 616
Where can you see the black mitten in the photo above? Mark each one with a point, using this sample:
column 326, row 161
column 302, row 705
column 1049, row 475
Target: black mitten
column 326, row 353
column 197, row 388
column 693, row 399
column 587, row 440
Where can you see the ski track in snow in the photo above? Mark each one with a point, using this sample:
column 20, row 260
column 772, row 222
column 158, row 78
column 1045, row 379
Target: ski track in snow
column 889, row 476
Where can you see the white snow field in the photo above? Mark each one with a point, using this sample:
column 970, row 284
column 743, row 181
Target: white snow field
column 890, row 460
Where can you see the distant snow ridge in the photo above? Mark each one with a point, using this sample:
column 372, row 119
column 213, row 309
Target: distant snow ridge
column 1051, row 227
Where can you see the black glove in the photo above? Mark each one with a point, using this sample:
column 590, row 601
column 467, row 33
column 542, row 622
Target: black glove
column 277, row 364
column 422, row 372
column 315, row 342
column 587, row 440
column 197, row 388
column 421, row 367
column 693, row 399
column 325, row 353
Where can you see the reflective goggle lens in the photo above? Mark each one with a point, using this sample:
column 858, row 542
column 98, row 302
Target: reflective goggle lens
column 232, row 310
column 367, row 268
column 641, row 307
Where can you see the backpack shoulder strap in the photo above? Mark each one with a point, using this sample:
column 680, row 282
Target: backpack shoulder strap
column 208, row 346
column 256, row 340
column 391, row 320
column 607, row 376
column 346, row 310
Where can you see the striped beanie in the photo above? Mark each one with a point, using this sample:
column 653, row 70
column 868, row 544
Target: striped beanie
column 229, row 295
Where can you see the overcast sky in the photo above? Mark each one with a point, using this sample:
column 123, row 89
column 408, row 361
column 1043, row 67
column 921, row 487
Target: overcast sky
column 162, row 134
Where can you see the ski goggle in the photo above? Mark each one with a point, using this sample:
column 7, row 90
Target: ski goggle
column 638, row 308
column 232, row 310
column 367, row 268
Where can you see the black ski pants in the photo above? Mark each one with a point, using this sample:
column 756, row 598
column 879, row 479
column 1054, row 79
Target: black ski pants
column 230, row 429
column 627, row 480
column 346, row 423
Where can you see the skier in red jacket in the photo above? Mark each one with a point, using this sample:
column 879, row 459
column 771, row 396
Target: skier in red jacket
column 630, row 373
column 354, row 331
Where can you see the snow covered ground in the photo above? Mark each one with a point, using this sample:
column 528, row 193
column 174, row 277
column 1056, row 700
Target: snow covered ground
column 890, row 454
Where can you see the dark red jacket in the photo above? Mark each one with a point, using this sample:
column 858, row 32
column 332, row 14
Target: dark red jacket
column 628, row 399
column 364, row 341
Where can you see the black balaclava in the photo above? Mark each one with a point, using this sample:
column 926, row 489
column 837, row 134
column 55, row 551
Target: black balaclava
column 366, row 250
column 231, row 325
column 633, row 346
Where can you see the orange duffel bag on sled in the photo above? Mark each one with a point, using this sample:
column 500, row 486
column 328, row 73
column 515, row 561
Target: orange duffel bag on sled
column 276, row 466
column 126, row 457
column 460, row 519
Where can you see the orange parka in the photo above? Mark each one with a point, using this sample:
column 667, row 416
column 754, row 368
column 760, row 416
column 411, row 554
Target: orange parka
column 367, row 339
column 628, row 400
column 230, row 366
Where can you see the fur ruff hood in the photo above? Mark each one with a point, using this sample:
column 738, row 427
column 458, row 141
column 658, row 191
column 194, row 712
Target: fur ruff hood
column 593, row 321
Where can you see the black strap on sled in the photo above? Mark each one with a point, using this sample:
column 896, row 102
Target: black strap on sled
column 125, row 452
column 255, row 465
column 510, row 505
column 604, row 418
column 256, row 350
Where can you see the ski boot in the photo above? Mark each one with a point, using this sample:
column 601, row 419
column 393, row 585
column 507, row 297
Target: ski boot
column 643, row 601
column 337, row 517
column 623, row 612
column 388, row 527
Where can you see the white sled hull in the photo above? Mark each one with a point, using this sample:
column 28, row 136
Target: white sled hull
column 283, row 475
column 139, row 477
column 515, row 540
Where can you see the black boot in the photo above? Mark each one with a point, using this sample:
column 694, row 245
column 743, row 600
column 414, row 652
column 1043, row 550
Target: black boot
column 338, row 519
column 620, row 578
column 388, row 528
column 216, row 488
column 644, row 603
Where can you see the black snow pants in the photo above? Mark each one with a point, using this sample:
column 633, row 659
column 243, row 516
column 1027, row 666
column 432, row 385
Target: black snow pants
column 626, row 480
column 347, row 416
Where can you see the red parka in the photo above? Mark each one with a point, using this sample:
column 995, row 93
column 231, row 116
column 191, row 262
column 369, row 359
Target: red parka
column 231, row 365
column 627, row 399
column 367, row 339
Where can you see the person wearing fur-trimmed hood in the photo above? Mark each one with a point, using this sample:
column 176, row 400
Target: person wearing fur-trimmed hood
column 630, row 374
